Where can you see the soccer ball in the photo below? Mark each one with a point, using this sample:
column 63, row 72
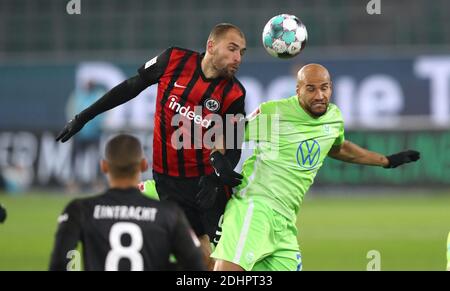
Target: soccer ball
column 284, row 36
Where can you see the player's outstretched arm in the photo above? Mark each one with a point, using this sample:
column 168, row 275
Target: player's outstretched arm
column 118, row 95
column 149, row 74
column 352, row 153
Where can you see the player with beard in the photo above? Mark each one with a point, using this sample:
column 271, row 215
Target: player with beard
column 259, row 229
column 192, row 88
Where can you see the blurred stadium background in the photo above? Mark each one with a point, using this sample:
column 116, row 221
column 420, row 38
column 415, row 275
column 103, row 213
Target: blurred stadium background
column 391, row 76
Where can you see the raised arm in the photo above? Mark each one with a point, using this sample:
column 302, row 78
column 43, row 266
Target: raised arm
column 149, row 74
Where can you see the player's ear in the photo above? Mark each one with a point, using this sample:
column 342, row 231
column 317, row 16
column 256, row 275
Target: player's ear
column 210, row 46
column 144, row 165
column 104, row 166
column 331, row 90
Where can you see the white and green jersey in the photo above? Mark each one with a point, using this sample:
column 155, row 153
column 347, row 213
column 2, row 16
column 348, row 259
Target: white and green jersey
column 290, row 147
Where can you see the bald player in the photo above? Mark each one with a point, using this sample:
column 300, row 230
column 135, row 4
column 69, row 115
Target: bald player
column 259, row 229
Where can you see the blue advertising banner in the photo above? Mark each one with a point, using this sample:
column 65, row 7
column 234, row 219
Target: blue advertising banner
column 388, row 105
column 372, row 93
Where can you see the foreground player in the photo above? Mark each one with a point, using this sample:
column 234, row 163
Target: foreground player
column 122, row 229
column 198, row 85
column 259, row 229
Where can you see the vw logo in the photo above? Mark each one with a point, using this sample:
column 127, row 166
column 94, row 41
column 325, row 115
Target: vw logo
column 308, row 154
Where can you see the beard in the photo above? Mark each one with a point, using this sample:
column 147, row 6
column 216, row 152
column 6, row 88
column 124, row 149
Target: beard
column 318, row 112
column 225, row 71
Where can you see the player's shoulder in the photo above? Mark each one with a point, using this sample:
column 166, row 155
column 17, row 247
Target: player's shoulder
column 182, row 51
column 122, row 197
column 164, row 207
column 73, row 205
column 172, row 53
column 149, row 195
column 167, row 206
column 233, row 93
column 167, row 210
column 78, row 205
column 110, row 194
column 82, row 202
column 238, row 86
column 273, row 106
column 332, row 106
column 334, row 111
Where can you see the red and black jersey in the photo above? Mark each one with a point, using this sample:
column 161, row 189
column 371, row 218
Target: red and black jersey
column 183, row 90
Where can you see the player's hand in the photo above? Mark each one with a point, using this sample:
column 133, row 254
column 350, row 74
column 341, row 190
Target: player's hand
column 224, row 170
column 2, row 214
column 71, row 128
column 401, row 158
column 209, row 189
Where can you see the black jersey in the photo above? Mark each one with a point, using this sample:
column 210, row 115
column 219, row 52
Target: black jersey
column 182, row 86
column 124, row 230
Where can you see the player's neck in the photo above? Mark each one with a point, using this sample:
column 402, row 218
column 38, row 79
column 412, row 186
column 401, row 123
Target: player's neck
column 306, row 110
column 207, row 68
column 124, row 183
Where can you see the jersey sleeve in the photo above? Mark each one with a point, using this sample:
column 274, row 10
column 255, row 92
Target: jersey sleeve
column 234, row 126
column 237, row 107
column 152, row 70
column 186, row 246
column 67, row 236
column 341, row 137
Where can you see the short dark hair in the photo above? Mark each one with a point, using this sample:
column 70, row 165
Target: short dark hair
column 220, row 29
column 123, row 154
